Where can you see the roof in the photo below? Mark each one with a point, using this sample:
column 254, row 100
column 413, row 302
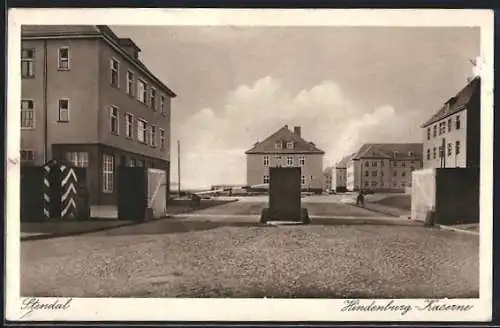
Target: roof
column 457, row 103
column 283, row 136
column 401, row 151
column 94, row 31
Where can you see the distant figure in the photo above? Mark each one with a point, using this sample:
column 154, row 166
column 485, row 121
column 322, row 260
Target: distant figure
column 196, row 200
column 360, row 200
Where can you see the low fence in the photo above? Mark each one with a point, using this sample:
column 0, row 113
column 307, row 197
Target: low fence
column 452, row 194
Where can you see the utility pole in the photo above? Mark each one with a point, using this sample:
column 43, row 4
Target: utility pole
column 179, row 167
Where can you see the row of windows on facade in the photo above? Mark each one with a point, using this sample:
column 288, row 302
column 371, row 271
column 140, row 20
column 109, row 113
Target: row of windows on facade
column 302, row 179
column 382, row 184
column 394, row 163
column 146, row 133
column 449, row 151
column 288, row 145
column 394, row 173
column 439, row 129
column 135, row 87
column 289, row 160
column 80, row 159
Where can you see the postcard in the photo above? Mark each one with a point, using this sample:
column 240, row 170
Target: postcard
column 249, row 165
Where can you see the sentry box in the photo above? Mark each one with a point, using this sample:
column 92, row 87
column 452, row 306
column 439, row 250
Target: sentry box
column 284, row 196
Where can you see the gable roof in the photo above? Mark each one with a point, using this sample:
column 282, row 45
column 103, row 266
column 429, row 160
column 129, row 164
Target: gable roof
column 283, row 136
column 400, row 151
column 92, row 31
column 457, row 103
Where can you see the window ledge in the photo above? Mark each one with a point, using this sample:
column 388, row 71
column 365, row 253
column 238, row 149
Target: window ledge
column 61, row 69
column 28, row 76
column 62, row 121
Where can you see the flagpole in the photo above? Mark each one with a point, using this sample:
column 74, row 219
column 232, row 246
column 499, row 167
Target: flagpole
column 179, row 168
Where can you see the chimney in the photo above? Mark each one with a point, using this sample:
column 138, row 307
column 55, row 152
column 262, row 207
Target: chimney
column 296, row 130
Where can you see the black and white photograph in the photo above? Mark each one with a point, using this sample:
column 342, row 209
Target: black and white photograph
column 308, row 165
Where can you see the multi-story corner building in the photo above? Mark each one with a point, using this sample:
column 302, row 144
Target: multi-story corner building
column 328, row 178
column 452, row 135
column 383, row 167
column 88, row 98
column 286, row 148
column 340, row 174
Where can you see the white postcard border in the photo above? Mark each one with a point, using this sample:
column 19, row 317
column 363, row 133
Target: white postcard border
column 245, row 309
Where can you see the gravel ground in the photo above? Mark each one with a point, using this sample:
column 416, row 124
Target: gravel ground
column 252, row 261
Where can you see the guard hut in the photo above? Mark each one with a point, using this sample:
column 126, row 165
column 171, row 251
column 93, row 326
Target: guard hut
column 284, row 196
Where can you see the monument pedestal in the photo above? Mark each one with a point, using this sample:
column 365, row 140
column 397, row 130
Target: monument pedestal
column 284, row 196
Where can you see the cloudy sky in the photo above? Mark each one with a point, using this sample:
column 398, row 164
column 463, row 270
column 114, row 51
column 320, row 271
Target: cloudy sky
column 343, row 85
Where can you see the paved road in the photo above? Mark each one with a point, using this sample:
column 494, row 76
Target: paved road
column 215, row 254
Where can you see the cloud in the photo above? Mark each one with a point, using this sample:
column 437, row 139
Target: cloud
column 214, row 140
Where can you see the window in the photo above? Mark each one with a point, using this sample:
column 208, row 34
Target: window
column 367, row 173
column 132, row 162
column 394, row 164
column 366, row 183
column 289, row 160
column 266, row 161
column 395, row 173
column 27, row 155
column 457, row 122
column 289, row 145
column 153, row 136
column 141, row 131
column 403, row 164
column 428, row 133
column 27, row 114
column 303, row 180
column 162, row 139
column 63, row 110
column 367, row 164
column 434, row 153
column 266, row 178
column 374, row 183
column 441, row 151
column 27, row 64
column 162, row 105
column 78, row 159
column 153, row 98
column 457, row 147
column 115, row 71
column 108, row 166
column 450, row 146
column 394, row 184
column 382, row 163
column 381, row 173
column 374, row 173
column 403, row 174
column 302, row 160
column 278, row 161
column 140, row 163
column 449, row 124
column 278, row 145
column 113, row 122
column 434, row 134
column 130, row 83
column 410, row 153
column 129, row 125
column 63, row 55
column 442, row 128
column 141, row 91
column 402, row 184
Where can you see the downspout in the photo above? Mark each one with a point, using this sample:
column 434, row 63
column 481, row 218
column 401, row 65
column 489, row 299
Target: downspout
column 45, row 103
